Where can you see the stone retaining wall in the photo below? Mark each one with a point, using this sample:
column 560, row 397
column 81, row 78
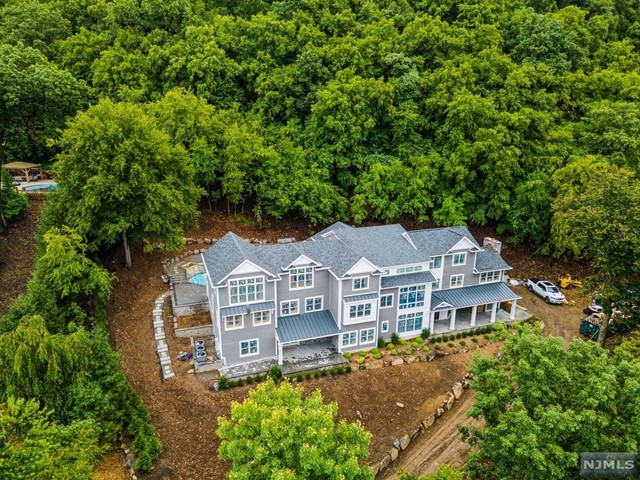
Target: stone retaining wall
column 201, row 331
column 401, row 444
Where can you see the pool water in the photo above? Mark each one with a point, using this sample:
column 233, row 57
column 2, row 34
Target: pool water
column 41, row 188
column 198, row 279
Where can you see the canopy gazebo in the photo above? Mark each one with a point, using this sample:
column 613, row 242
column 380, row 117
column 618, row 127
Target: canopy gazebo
column 23, row 167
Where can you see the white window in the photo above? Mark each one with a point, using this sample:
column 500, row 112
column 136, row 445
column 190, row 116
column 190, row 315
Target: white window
column 386, row 301
column 410, row 322
column 436, row 262
column 411, row 297
column 459, row 259
column 487, row 277
column 359, row 311
column 249, row 347
column 367, row 335
column 349, row 339
column 313, row 304
column 415, row 268
column 361, row 283
column 384, row 327
column 289, row 307
column 301, row 278
column 456, row 281
column 400, row 270
column 233, row 322
column 436, row 284
column 261, row 318
column 246, row 290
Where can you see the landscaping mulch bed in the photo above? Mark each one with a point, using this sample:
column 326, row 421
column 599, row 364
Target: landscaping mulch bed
column 196, row 320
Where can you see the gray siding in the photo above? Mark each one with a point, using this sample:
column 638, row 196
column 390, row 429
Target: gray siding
column 388, row 314
column 334, row 299
column 230, row 341
column 357, row 328
column 321, row 282
column 467, row 269
column 347, row 285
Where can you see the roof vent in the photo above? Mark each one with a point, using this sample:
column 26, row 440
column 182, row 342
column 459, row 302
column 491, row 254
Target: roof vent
column 492, row 243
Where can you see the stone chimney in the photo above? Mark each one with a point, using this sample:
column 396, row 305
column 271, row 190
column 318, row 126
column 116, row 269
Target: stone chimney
column 492, row 243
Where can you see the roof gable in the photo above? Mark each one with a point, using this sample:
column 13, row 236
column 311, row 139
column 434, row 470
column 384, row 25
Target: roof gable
column 363, row 266
column 464, row 244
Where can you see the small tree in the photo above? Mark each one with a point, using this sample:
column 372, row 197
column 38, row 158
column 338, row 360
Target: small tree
column 276, row 433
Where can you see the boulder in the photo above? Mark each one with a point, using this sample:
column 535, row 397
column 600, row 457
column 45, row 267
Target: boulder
column 384, row 463
column 416, row 432
column 439, row 412
column 393, row 453
column 404, row 442
column 457, row 390
column 386, row 363
column 207, row 240
column 429, row 421
column 431, row 356
column 375, row 469
column 412, row 359
column 397, row 361
column 450, row 401
column 401, row 405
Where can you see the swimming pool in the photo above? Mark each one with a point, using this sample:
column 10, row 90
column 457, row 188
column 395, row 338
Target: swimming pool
column 41, row 188
column 198, row 279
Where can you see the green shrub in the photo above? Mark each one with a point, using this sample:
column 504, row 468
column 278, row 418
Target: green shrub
column 487, row 337
column 232, row 383
column 425, row 348
column 436, row 340
column 347, row 355
column 348, row 369
column 323, row 373
column 425, row 333
column 450, row 344
column 419, row 340
column 299, row 378
column 437, row 346
column 374, row 351
column 415, row 344
column 452, row 338
column 340, row 370
column 333, row 370
column 395, row 338
column 394, row 352
column 316, row 374
column 258, row 378
column 308, row 375
column 240, row 383
column 462, row 343
column 380, row 342
column 458, row 335
column 249, row 380
column 465, row 334
column 408, row 351
column 360, row 361
column 403, row 343
column 390, row 346
column 377, row 356
column 223, row 383
column 474, row 339
column 275, row 373
column 362, row 353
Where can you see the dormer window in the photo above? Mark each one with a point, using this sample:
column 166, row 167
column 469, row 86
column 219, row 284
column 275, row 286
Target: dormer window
column 436, row 262
column 459, row 259
column 361, row 283
column 301, row 278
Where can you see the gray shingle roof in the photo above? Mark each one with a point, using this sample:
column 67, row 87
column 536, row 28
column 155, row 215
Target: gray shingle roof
column 408, row 279
column 306, row 326
column 488, row 260
column 438, row 241
column 361, row 297
column 474, row 295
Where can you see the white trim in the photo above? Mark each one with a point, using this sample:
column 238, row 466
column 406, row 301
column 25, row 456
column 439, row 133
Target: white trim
column 373, row 339
column 255, row 300
column 461, row 276
column 294, row 300
column 493, row 280
column 408, row 238
column 453, row 259
column 387, row 295
column 464, row 244
column 442, row 304
column 321, row 297
column 353, row 283
column 257, row 340
column 245, row 261
column 414, row 314
column 305, row 287
column 261, row 312
column 309, row 262
column 344, row 334
column 363, row 317
column 224, row 320
column 373, row 268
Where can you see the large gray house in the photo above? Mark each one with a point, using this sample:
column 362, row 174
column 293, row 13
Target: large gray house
column 345, row 287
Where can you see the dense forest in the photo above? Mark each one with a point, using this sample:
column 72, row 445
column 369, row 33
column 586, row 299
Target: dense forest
column 522, row 114
column 476, row 111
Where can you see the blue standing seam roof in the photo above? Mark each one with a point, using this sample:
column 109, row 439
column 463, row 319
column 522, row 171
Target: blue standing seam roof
column 262, row 306
column 361, row 297
column 240, row 309
column 306, row 326
column 474, row 295
column 407, row 279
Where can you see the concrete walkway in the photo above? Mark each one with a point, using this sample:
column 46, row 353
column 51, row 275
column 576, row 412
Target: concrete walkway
column 158, row 332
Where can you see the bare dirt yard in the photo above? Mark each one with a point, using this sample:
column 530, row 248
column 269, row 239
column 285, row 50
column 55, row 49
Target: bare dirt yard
column 185, row 411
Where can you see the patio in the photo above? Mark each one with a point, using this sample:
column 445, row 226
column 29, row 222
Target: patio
column 463, row 320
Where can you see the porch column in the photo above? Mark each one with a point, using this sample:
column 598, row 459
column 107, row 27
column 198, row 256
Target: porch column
column 280, row 354
column 494, row 307
column 432, row 322
column 474, row 314
column 452, row 325
column 512, row 314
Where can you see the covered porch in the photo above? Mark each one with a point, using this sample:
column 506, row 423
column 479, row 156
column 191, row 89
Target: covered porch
column 471, row 307
column 307, row 338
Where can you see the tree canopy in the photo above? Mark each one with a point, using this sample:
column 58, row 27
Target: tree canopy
column 275, row 433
